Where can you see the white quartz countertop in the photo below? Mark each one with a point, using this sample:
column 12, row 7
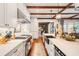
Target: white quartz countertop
column 10, row 45
column 70, row 48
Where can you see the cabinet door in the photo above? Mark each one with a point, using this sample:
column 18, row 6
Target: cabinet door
column 21, row 50
column 2, row 14
column 18, row 51
column 11, row 13
column 51, row 51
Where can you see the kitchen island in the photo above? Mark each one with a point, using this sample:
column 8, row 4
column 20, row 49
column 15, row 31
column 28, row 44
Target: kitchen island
column 14, row 47
column 69, row 48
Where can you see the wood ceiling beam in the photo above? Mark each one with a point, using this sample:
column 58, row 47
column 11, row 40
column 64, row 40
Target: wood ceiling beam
column 51, row 13
column 54, row 16
column 48, row 7
column 62, row 18
column 65, row 7
column 74, row 16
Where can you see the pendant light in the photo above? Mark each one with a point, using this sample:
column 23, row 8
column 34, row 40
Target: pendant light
column 51, row 12
column 58, row 16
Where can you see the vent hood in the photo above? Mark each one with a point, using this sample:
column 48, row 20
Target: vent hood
column 21, row 17
column 23, row 21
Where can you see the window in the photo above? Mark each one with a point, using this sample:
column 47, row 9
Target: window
column 71, row 26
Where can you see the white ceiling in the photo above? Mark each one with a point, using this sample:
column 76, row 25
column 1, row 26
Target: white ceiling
column 76, row 16
column 44, row 10
column 71, row 10
column 67, row 16
column 37, row 10
column 43, row 16
column 46, row 4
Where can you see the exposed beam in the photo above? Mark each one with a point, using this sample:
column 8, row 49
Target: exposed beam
column 62, row 18
column 48, row 7
column 65, row 7
column 54, row 16
column 74, row 16
column 50, row 13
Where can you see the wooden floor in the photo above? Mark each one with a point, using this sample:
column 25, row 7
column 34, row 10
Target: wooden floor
column 38, row 48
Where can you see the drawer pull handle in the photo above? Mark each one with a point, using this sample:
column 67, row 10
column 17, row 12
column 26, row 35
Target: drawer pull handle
column 15, row 51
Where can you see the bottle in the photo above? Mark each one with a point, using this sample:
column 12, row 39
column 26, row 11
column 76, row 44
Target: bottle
column 14, row 36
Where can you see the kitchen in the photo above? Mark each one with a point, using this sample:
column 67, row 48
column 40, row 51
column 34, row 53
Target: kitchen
column 39, row 29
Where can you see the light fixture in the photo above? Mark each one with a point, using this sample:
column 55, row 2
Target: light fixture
column 58, row 16
column 76, row 6
column 51, row 12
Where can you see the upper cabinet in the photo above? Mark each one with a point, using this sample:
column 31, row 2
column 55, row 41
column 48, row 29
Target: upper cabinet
column 8, row 14
column 11, row 14
column 2, row 14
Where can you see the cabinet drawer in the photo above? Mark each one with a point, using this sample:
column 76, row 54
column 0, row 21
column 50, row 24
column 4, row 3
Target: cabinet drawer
column 12, row 52
column 18, row 51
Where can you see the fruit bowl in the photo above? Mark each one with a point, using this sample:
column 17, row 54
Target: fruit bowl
column 70, row 37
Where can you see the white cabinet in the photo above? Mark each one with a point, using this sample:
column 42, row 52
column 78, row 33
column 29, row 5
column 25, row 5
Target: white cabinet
column 34, row 27
column 18, row 51
column 2, row 14
column 50, row 48
column 47, row 47
column 10, row 14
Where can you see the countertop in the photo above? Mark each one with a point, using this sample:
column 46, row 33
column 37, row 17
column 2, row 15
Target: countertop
column 10, row 45
column 70, row 48
column 27, row 38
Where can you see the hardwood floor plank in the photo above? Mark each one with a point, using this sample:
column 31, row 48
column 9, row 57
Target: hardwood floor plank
column 38, row 48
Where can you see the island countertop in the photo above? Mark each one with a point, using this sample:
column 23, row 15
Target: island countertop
column 10, row 45
column 70, row 48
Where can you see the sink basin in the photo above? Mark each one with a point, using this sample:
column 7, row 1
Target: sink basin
column 20, row 37
column 24, row 35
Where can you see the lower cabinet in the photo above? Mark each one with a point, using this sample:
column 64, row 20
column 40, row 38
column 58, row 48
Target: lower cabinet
column 51, row 51
column 18, row 51
column 50, row 48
